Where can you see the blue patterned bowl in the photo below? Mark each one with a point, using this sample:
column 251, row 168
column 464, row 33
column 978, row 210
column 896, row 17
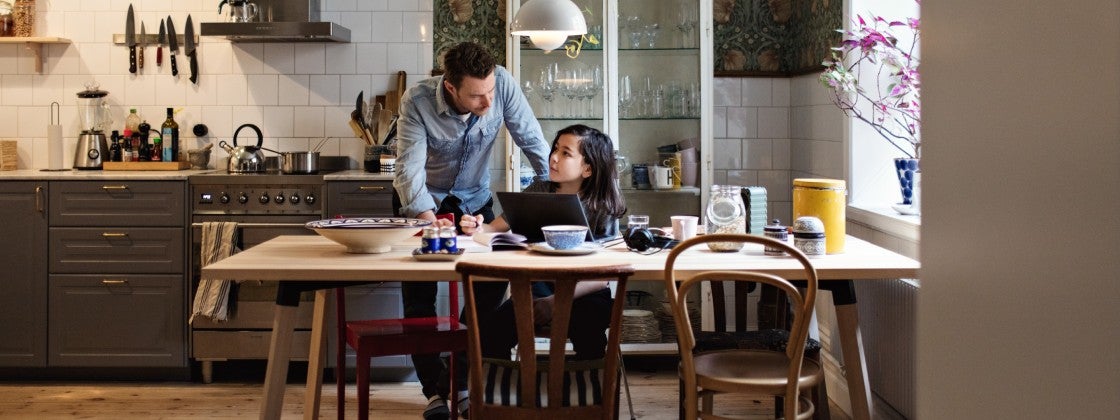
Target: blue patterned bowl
column 368, row 235
column 564, row 236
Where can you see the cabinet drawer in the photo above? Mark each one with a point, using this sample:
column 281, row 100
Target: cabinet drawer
column 116, row 250
column 118, row 203
column 360, row 198
column 124, row 320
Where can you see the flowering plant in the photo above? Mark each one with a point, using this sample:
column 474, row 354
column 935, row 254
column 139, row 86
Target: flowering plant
column 892, row 87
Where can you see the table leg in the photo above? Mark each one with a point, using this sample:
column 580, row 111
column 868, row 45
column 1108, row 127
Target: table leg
column 851, row 344
column 279, row 352
column 317, row 357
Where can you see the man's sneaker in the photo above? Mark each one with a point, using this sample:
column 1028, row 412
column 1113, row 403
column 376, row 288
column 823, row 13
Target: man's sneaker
column 464, row 406
column 437, row 409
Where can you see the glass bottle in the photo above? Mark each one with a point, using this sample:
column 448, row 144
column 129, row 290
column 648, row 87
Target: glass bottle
column 170, row 133
column 23, row 16
column 157, row 148
column 726, row 213
column 132, row 122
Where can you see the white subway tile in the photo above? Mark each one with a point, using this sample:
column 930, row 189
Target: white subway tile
column 219, row 122
column 781, row 92
column 719, row 122
column 263, row 90
column 360, row 26
column 294, row 90
column 248, row 58
column 388, row 27
column 726, row 154
column 279, row 58
column 9, row 55
column 757, row 91
column 9, row 122
column 231, row 89
column 742, row 122
column 139, row 91
column 403, row 57
column 336, row 122
column 340, row 5
column 308, row 122
column 324, row 90
column 403, row 5
column 350, row 85
column 214, row 58
column 201, row 94
column 417, row 27
column 758, row 154
column 341, row 59
column 727, row 92
column 33, row 121
column 371, row 58
column 61, row 59
column 96, row 60
column 372, row 5
column 773, row 122
column 310, row 58
column 777, row 185
column 742, row 178
column 781, row 153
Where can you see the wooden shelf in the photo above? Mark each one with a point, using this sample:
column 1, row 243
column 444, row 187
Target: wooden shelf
column 35, row 44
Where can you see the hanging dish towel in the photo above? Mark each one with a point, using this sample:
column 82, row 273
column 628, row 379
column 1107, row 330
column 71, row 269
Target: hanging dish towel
column 212, row 297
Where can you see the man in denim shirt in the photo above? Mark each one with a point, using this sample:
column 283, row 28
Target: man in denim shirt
column 447, row 129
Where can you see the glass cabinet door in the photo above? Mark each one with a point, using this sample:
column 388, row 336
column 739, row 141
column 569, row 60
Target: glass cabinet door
column 646, row 83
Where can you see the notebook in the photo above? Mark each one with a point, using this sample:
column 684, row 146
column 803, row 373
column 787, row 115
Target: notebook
column 527, row 212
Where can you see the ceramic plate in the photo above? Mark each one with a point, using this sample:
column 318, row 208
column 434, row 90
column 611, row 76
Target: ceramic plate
column 368, row 223
column 420, row 256
column 583, row 249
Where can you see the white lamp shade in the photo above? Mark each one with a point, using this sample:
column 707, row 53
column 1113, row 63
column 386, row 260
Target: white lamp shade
column 548, row 23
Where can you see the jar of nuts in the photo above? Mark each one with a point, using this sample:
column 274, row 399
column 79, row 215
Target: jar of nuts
column 23, row 17
column 726, row 213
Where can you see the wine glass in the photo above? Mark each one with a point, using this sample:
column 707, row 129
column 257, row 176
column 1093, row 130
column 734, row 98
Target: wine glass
column 528, row 89
column 651, row 32
column 625, row 97
column 633, row 25
column 547, row 87
column 686, row 22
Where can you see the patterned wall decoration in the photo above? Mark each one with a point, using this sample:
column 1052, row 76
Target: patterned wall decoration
column 763, row 38
column 774, row 37
column 481, row 21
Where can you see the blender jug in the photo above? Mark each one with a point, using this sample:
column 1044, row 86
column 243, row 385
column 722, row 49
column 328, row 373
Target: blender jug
column 93, row 116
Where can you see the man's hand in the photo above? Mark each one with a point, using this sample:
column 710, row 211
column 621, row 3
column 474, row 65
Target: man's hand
column 427, row 215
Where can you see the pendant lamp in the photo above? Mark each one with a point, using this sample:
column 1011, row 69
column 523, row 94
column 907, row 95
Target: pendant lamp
column 548, row 23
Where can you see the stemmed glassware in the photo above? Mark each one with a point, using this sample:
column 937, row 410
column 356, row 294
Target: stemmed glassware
column 547, row 87
column 686, row 22
column 625, row 97
column 635, row 30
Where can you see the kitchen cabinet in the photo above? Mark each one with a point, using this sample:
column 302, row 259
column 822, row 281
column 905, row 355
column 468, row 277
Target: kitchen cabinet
column 23, row 254
column 647, row 84
column 117, row 255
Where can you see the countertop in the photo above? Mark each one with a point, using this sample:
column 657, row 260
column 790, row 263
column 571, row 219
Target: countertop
column 84, row 175
column 357, row 175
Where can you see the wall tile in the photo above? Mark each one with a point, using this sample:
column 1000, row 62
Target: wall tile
column 324, row 90
column 9, row 122
column 742, row 178
column 308, row 123
column 341, row 59
column 726, row 154
column 781, row 92
column 9, row 54
column 742, row 122
column 374, row 5
column 757, row 91
column 248, row 58
column 388, row 27
column 279, row 59
column 758, row 154
column 361, row 26
column 719, row 122
column 293, row 90
column 727, row 92
column 310, row 58
column 418, row 27
column 773, row 122
column 263, row 90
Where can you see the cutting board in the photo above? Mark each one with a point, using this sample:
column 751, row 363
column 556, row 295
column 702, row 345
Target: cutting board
column 145, row 166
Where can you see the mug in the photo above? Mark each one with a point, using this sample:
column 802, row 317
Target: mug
column 388, row 163
column 684, row 227
column 661, row 177
column 673, row 161
column 641, row 178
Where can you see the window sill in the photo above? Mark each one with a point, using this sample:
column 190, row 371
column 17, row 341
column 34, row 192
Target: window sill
column 885, row 219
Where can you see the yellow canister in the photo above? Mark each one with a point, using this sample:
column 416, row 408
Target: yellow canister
column 824, row 199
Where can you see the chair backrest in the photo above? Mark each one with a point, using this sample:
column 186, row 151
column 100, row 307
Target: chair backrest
column 552, row 375
column 677, row 287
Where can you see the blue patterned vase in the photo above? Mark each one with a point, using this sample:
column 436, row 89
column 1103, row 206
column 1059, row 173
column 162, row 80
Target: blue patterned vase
column 906, row 167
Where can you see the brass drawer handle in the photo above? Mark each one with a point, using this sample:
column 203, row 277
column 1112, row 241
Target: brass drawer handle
column 114, row 187
column 108, row 282
column 113, row 235
column 365, row 188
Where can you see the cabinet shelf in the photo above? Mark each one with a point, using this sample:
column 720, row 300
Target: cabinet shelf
column 35, row 45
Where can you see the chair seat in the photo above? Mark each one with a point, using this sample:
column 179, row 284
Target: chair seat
column 408, row 335
column 739, row 370
column 771, row 339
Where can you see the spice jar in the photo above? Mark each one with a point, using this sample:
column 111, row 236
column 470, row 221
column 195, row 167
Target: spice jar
column 809, row 235
column 23, row 17
column 824, row 199
column 776, row 231
column 726, row 213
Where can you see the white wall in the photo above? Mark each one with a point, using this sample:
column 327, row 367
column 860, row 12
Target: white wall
column 293, row 91
column 1020, row 248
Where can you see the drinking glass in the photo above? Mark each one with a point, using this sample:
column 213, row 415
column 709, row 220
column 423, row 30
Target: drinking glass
column 635, row 30
column 547, row 87
column 686, row 22
column 625, row 97
column 651, row 32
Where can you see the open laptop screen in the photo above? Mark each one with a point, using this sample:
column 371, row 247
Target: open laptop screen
column 527, row 212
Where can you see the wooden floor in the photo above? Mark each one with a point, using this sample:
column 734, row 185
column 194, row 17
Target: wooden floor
column 655, row 397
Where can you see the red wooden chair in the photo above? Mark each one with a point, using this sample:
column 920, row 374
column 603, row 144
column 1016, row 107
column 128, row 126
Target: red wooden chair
column 387, row 337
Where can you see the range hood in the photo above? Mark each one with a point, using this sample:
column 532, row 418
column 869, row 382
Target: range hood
column 280, row 21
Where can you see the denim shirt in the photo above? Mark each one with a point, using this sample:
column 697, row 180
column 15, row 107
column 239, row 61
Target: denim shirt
column 440, row 154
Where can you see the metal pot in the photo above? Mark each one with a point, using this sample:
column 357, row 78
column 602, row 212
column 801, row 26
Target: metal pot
column 245, row 159
column 299, row 162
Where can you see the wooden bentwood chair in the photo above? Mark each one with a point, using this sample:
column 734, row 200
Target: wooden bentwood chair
column 785, row 374
column 561, row 389
column 386, row 337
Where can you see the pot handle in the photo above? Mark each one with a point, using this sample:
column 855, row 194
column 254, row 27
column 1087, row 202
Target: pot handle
column 260, row 137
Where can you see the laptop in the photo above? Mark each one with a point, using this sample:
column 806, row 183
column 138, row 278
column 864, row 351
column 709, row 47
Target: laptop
column 527, row 212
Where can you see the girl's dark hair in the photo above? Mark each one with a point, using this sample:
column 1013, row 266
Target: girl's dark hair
column 599, row 192
column 467, row 59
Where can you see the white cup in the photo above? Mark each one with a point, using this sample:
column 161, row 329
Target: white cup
column 661, row 177
column 684, row 227
column 388, row 163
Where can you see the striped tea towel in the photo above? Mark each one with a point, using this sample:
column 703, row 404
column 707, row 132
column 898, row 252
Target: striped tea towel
column 212, row 297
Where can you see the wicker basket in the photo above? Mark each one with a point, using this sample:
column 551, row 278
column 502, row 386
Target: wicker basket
column 9, row 155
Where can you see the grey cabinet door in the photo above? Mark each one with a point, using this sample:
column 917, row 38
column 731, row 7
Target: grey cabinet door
column 359, row 198
column 117, row 320
column 23, row 282
column 117, row 250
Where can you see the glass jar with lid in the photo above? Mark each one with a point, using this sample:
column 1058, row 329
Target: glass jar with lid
column 7, row 22
column 23, row 17
column 726, row 213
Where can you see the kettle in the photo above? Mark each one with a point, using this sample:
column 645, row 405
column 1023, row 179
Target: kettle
column 245, row 159
column 240, row 10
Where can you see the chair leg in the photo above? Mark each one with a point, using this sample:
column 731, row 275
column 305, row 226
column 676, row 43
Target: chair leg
column 453, row 394
column 626, row 384
column 362, row 368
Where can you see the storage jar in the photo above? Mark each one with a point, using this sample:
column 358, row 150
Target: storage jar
column 726, row 213
column 824, row 199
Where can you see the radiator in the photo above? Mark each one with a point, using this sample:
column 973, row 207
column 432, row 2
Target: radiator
column 887, row 311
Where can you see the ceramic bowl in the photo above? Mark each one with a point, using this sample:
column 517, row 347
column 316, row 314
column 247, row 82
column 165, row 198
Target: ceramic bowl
column 368, row 235
column 564, row 236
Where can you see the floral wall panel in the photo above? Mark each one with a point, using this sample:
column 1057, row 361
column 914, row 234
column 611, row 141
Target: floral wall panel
column 774, row 37
column 481, row 21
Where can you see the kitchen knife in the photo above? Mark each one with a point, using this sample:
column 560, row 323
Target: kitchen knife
column 172, row 46
column 162, row 40
column 142, row 41
column 130, row 39
column 188, row 33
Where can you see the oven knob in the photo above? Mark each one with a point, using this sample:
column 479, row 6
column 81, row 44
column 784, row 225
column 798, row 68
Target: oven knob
column 294, row 199
column 279, row 198
column 224, row 199
column 243, row 198
column 310, row 199
column 264, row 198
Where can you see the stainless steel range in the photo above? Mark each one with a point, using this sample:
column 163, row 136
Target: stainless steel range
column 264, row 205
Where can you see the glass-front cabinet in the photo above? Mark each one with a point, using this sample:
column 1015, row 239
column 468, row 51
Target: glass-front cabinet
column 647, row 83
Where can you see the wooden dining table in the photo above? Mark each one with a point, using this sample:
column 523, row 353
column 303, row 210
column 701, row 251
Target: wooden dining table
column 316, row 263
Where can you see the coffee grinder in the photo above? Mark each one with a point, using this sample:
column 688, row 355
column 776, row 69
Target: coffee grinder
column 93, row 115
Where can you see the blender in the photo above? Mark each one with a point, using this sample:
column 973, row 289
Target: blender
column 93, row 114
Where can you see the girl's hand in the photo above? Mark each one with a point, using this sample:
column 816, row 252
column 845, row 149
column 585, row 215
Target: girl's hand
column 470, row 224
column 443, row 223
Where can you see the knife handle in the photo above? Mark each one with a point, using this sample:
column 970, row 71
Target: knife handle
column 159, row 56
column 140, row 58
column 174, row 67
column 194, row 67
column 132, row 59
